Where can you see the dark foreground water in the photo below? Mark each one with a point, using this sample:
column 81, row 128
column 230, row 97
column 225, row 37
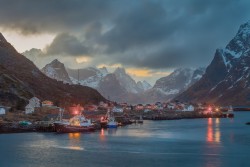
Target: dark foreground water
column 181, row 143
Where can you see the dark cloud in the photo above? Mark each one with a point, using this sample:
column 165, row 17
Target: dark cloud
column 186, row 33
column 66, row 44
column 34, row 16
column 144, row 33
column 146, row 24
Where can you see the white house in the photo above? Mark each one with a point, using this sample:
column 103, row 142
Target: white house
column 2, row 111
column 171, row 106
column 188, row 108
column 33, row 102
column 29, row 109
column 117, row 109
column 147, row 110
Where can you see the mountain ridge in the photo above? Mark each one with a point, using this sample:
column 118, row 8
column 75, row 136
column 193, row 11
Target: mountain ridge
column 226, row 80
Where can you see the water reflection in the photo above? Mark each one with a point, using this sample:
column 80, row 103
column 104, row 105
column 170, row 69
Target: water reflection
column 213, row 130
column 102, row 135
column 74, row 136
column 74, row 141
column 112, row 131
column 213, row 143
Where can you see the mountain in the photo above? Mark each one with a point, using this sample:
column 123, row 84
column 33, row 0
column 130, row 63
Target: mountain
column 13, row 92
column 170, row 86
column 111, row 88
column 227, row 78
column 21, row 80
column 179, row 80
column 143, row 85
column 88, row 76
column 126, row 81
column 57, row 71
column 117, row 86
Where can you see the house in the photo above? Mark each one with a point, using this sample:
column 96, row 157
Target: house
column 128, row 108
column 139, row 107
column 33, row 103
column 188, row 108
column 158, row 106
column 29, row 109
column 47, row 103
column 171, row 106
column 117, row 109
column 148, row 106
column 147, row 110
column 2, row 111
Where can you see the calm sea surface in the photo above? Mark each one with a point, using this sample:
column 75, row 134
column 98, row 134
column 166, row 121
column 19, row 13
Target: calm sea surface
column 181, row 143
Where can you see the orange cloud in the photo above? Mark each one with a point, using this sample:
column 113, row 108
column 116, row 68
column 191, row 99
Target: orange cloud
column 145, row 72
column 82, row 59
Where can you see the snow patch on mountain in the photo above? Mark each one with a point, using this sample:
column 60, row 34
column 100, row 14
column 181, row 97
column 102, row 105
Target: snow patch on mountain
column 179, row 80
column 57, row 71
column 143, row 85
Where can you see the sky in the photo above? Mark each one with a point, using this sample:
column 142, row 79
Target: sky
column 150, row 38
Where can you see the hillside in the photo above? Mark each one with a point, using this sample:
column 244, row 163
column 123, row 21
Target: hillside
column 39, row 85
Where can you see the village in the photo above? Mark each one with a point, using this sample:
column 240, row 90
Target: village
column 37, row 110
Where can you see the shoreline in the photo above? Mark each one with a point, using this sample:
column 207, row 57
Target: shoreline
column 14, row 127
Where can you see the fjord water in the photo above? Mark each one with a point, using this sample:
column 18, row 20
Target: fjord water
column 191, row 142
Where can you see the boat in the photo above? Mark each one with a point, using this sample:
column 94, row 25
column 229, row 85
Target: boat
column 77, row 123
column 111, row 123
column 140, row 120
column 103, row 122
column 228, row 113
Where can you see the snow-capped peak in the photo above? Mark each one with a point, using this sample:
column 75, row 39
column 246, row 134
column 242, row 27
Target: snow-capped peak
column 103, row 70
column 244, row 29
column 144, row 85
column 179, row 80
column 57, row 71
column 240, row 43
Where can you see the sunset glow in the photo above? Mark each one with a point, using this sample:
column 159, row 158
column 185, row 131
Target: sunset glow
column 23, row 42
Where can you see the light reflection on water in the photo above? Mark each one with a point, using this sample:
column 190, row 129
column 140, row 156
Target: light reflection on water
column 213, row 139
column 74, row 142
column 213, row 130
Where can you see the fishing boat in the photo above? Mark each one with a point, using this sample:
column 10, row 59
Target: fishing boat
column 77, row 123
column 111, row 123
column 140, row 120
column 229, row 113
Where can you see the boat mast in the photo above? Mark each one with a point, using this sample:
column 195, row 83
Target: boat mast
column 78, row 76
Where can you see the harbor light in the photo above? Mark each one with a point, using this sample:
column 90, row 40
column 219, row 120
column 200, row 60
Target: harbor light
column 76, row 112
